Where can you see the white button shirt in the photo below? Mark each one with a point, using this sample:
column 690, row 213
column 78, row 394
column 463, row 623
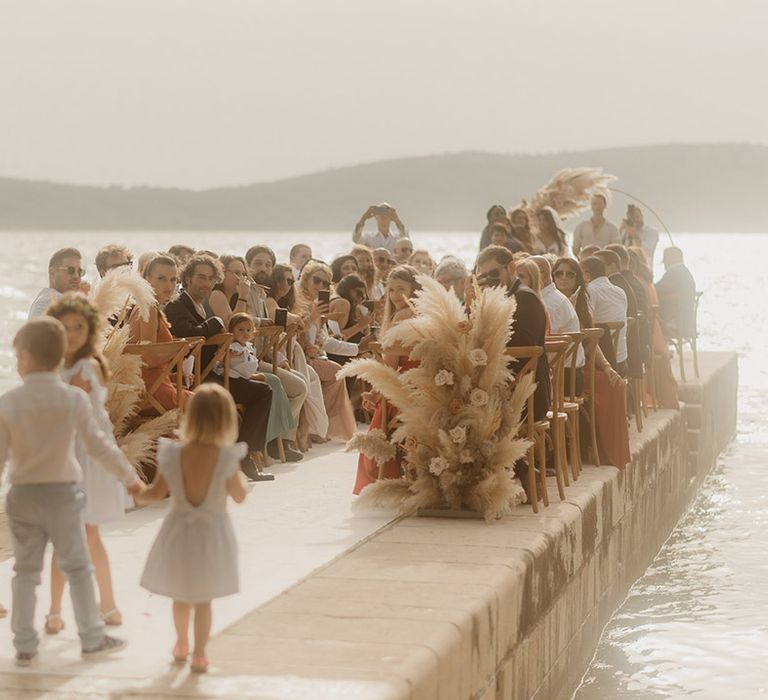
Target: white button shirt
column 374, row 239
column 42, row 302
column 39, row 422
column 562, row 315
column 609, row 304
column 585, row 234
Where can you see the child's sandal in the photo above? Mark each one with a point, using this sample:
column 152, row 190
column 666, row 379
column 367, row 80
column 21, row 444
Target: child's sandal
column 113, row 618
column 199, row 664
column 53, row 623
column 180, row 653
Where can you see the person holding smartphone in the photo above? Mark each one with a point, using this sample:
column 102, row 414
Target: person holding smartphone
column 385, row 215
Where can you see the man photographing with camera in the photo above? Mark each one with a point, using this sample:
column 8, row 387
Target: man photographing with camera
column 385, row 216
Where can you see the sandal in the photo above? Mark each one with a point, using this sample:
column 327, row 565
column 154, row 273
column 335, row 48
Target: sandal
column 113, row 618
column 199, row 664
column 53, row 623
column 180, row 653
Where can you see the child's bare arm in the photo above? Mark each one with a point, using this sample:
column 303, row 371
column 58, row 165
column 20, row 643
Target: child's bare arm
column 156, row 492
column 236, row 487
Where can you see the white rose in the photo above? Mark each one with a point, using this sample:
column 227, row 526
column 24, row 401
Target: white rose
column 458, row 434
column 478, row 397
column 444, row 377
column 466, row 457
column 478, row 357
column 437, row 465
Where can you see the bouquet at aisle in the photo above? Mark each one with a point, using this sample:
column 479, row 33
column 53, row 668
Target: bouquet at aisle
column 458, row 410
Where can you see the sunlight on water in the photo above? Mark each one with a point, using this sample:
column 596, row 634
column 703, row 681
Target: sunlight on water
column 697, row 623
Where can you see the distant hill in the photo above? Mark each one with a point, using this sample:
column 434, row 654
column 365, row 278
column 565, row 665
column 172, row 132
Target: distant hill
column 693, row 188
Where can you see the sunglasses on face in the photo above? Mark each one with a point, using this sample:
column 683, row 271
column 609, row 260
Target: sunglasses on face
column 71, row 270
column 381, row 258
column 290, row 281
column 492, row 277
column 320, row 281
column 559, row 274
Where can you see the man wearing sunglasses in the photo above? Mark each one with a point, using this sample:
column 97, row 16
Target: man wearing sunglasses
column 65, row 274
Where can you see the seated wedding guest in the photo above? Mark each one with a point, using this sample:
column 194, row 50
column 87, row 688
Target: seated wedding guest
column 453, row 275
column 521, row 230
column 342, row 266
column 562, row 314
column 162, row 274
column 231, row 294
column 528, row 273
column 422, row 261
column 612, row 264
column 635, row 232
column 367, row 270
column 500, row 235
column 609, row 305
column 638, row 289
column 385, row 216
column 610, row 393
column 588, row 250
column 187, row 317
column 677, row 295
column 403, row 250
column 495, row 213
column 298, row 257
column 666, row 384
column 401, row 286
column 354, row 319
column 145, row 258
column 111, row 257
column 496, row 266
column 181, row 253
column 551, row 234
column 315, row 340
column 596, row 230
column 383, row 262
column 65, row 274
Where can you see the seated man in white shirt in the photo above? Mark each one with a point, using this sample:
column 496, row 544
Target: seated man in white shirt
column 562, row 315
column 609, row 304
column 385, row 215
column 65, row 274
column 597, row 230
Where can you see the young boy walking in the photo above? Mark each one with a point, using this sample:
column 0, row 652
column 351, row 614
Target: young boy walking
column 39, row 422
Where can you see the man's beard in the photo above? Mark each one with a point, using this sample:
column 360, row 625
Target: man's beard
column 261, row 278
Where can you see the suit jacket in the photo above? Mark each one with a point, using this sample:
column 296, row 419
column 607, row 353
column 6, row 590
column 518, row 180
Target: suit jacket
column 186, row 322
column 677, row 297
column 642, row 306
column 530, row 328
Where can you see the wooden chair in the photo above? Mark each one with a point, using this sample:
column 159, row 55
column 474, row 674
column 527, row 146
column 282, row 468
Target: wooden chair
column 220, row 341
column 556, row 351
column 635, row 385
column 591, row 343
column 680, row 340
column 572, row 403
column 272, row 337
column 531, row 354
column 653, row 392
column 170, row 355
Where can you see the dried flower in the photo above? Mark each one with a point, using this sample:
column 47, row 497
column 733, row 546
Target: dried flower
column 478, row 357
column 458, row 434
column 456, row 405
column 411, row 443
column 466, row 457
column 478, row 397
column 443, row 378
column 437, row 465
column 465, row 384
column 464, row 325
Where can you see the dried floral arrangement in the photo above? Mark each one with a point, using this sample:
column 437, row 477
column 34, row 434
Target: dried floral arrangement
column 459, row 410
column 116, row 293
column 570, row 190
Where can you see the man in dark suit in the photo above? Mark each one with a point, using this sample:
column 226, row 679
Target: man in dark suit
column 677, row 296
column 187, row 317
column 638, row 288
column 496, row 266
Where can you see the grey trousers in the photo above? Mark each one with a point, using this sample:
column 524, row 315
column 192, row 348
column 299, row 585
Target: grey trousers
column 38, row 513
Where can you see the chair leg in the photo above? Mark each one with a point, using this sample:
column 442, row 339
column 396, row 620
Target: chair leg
column 557, row 449
column 679, row 346
column 541, row 448
column 593, row 431
column 532, row 492
column 636, row 409
column 695, row 357
column 573, row 427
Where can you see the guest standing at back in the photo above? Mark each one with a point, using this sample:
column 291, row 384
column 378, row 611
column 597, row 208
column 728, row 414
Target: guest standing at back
column 194, row 558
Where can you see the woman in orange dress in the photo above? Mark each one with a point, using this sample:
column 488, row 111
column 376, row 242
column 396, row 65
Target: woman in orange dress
column 401, row 286
column 610, row 393
column 162, row 274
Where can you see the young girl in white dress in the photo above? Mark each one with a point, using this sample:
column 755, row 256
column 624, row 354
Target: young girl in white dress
column 194, row 558
column 105, row 497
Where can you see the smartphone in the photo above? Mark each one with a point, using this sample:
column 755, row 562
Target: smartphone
column 374, row 331
column 281, row 317
column 324, row 296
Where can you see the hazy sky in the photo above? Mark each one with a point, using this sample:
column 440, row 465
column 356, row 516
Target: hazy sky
column 200, row 93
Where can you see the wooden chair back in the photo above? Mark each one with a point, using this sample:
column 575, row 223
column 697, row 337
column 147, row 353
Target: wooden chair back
column 531, row 355
column 221, row 343
column 170, row 356
column 592, row 338
column 556, row 352
column 571, row 360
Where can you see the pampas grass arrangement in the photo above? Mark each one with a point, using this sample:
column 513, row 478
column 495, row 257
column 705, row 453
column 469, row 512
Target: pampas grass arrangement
column 570, row 189
column 459, row 410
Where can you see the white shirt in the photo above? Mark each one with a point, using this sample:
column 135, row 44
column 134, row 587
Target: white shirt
column 42, row 302
column 374, row 239
column 562, row 316
column 585, row 235
column 39, row 422
column 650, row 239
column 609, row 304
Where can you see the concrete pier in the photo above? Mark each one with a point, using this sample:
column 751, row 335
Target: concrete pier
column 417, row 607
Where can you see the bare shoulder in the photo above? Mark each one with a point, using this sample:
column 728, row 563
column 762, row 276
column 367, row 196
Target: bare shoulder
column 402, row 315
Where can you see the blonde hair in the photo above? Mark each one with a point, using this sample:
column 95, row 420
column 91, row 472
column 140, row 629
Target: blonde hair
column 533, row 271
column 312, row 267
column 210, row 417
column 45, row 339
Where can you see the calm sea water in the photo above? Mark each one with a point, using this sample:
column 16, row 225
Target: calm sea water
column 697, row 623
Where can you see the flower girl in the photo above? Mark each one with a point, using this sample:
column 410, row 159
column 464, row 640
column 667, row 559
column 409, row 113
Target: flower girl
column 105, row 497
column 194, row 558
